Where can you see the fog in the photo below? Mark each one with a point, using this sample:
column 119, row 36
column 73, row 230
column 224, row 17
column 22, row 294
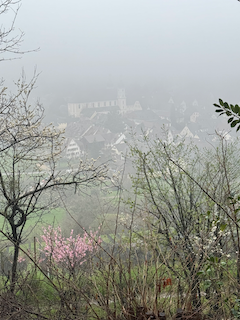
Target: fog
column 180, row 47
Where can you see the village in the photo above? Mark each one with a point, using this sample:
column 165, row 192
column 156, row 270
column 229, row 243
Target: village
column 102, row 128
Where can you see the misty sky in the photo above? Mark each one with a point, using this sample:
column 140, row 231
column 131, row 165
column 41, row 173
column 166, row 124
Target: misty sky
column 180, row 43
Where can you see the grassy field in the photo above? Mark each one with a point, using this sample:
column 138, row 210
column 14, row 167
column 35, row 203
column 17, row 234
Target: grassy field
column 54, row 216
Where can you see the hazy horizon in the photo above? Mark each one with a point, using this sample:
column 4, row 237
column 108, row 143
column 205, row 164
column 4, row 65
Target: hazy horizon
column 181, row 47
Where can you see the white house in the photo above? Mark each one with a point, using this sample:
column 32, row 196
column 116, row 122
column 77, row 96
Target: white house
column 73, row 149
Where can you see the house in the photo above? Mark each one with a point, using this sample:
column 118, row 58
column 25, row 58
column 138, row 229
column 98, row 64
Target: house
column 74, row 148
column 194, row 116
column 186, row 133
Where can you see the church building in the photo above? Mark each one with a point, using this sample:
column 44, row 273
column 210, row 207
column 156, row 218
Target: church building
column 75, row 109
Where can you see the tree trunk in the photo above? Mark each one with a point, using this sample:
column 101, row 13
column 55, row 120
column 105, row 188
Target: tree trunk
column 15, row 259
column 196, row 295
column 195, row 288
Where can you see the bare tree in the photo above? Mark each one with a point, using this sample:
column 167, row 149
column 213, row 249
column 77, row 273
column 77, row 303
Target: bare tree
column 30, row 181
column 189, row 221
column 10, row 39
column 29, row 175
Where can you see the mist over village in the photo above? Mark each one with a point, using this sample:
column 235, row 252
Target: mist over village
column 119, row 160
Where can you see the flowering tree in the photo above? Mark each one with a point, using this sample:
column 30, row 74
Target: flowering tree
column 183, row 193
column 31, row 180
column 69, row 252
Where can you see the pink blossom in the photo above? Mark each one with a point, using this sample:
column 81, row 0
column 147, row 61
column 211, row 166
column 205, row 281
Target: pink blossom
column 21, row 259
column 69, row 252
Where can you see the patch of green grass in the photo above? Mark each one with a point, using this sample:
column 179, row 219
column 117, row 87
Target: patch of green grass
column 53, row 217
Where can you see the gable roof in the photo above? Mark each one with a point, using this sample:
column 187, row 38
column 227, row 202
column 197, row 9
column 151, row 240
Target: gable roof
column 94, row 138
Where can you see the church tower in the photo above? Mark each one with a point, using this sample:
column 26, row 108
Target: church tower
column 121, row 98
